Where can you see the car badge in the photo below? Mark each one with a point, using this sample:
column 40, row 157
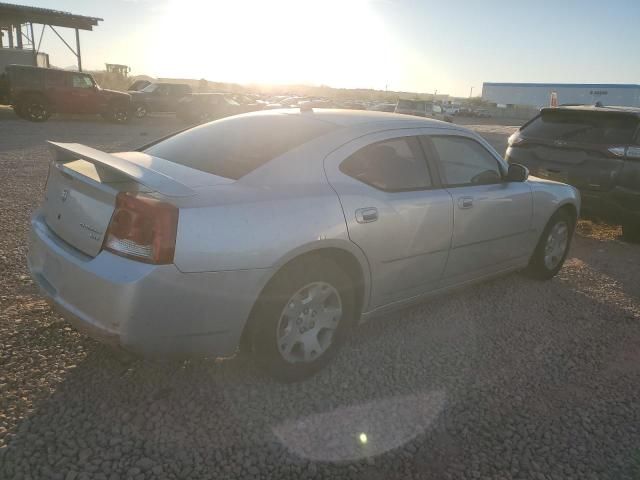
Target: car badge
column 64, row 195
column 559, row 143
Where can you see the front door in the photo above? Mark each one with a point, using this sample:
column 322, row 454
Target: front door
column 395, row 212
column 83, row 94
column 491, row 217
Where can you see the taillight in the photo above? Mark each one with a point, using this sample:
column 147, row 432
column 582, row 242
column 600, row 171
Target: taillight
column 617, row 151
column 142, row 228
column 629, row 152
column 515, row 139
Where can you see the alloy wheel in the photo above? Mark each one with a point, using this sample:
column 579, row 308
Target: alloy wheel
column 556, row 245
column 308, row 322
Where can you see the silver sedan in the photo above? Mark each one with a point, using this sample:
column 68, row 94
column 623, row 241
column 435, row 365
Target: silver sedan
column 279, row 231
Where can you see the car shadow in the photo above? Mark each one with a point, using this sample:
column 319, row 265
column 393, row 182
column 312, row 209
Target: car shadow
column 440, row 388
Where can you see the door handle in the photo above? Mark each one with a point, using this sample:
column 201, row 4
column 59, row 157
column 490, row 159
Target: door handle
column 366, row 215
column 465, row 202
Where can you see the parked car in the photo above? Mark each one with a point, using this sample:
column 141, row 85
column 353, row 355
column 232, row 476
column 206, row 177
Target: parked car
column 158, row 97
column 383, row 107
column 203, row 107
column 596, row 149
column 421, row 108
column 280, row 231
column 35, row 93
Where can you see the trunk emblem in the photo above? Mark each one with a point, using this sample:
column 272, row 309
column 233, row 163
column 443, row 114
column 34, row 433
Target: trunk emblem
column 64, row 195
column 559, row 143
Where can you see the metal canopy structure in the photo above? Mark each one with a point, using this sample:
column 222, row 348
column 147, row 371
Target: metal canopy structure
column 16, row 23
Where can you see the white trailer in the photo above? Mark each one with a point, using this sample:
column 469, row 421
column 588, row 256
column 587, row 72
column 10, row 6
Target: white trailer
column 539, row 94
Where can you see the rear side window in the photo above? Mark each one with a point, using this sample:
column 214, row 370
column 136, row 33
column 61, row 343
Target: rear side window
column 234, row 146
column 27, row 77
column 582, row 127
column 180, row 89
column 464, row 161
column 393, row 165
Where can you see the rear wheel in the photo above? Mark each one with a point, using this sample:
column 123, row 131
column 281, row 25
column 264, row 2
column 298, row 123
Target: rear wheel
column 301, row 318
column 552, row 247
column 119, row 114
column 35, row 109
column 140, row 111
column 631, row 231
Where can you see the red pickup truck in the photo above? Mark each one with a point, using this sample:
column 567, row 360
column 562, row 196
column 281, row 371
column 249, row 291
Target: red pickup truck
column 35, row 93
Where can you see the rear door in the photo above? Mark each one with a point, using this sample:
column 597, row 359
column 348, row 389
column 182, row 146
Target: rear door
column 395, row 211
column 491, row 217
column 58, row 90
column 572, row 147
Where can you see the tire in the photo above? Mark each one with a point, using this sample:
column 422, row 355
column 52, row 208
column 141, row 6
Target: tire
column 283, row 326
column 119, row 114
column 553, row 246
column 35, row 108
column 140, row 111
column 631, row 231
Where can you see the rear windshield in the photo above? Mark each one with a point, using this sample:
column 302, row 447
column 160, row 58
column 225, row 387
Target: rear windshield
column 585, row 127
column 235, row 146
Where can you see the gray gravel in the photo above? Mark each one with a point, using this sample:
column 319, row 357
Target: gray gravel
column 512, row 379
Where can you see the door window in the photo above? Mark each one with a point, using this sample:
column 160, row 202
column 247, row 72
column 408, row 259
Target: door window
column 464, row 161
column 393, row 165
column 81, row 81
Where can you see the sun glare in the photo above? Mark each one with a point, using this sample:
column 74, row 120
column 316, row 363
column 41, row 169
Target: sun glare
column 331, row 42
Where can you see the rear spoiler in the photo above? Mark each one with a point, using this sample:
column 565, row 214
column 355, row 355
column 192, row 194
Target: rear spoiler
column 157, row 181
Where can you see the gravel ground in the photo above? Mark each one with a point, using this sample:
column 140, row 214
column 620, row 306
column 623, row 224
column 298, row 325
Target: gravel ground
column 512, row 379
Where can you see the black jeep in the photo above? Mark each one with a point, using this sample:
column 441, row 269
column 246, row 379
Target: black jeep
column 35, row 93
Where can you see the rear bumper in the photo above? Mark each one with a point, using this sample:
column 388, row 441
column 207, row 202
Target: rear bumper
column 155, row 310
column 619, row 204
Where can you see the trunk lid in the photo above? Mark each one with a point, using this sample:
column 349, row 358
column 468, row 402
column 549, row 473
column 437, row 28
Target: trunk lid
column 83, row 184
column 585, row 167
column 571, row 145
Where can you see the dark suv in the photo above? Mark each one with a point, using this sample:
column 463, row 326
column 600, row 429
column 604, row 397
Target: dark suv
column 596, row 149
column 158, row 97
column 35, row 93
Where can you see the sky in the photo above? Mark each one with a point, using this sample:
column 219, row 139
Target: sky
column 409, row 45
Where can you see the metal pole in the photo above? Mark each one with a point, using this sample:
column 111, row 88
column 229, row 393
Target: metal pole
column 40, row 41
column 78, row 50
column 471, row 93
column 19, row 35
column 33, row 38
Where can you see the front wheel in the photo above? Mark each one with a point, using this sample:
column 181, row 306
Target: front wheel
column 140, row 111
column 301, row 318
column 553, row 246
column 120, row 114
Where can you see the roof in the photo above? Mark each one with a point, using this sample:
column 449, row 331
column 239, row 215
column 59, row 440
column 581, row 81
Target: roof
column 11, row 14
column 592, row 108
column 346, row 118
column 563, row 85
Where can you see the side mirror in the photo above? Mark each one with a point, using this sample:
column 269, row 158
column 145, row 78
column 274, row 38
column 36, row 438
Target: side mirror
column 517, row 173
